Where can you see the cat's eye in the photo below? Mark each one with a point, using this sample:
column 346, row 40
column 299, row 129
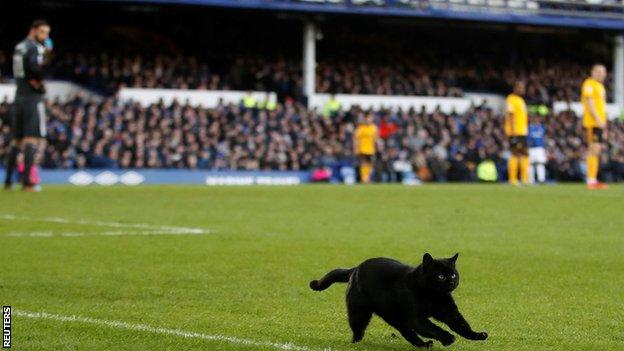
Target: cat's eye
column 441, row 277
column 453, row 275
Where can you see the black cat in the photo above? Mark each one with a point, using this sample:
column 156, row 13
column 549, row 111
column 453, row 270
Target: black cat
column 403, row 296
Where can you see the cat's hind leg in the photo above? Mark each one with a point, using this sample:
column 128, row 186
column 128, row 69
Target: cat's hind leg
column 359, row 313
column 358, row 321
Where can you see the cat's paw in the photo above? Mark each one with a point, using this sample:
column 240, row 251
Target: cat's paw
column 481, row 336
column 427, row 344
column 448, row 339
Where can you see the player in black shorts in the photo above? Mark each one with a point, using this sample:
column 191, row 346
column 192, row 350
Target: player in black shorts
column 28, row 125
column 518, row 144
column 594, row 135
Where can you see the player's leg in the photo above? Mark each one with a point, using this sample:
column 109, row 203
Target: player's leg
column 591, row 159
column 10, row 163
column 34, row 130
column 597, row 152
column 523, row 162
column 17, row 133
column 30, row 150
column 360, row 159
column 524, row 167
column 594, row 148
column 366, row 168
column 512, row 165
column 532, row 164
column 593, row 163
column 541, row 173
column 541, row 165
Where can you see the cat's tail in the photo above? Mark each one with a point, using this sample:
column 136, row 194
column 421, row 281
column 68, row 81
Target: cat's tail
column 339, row 275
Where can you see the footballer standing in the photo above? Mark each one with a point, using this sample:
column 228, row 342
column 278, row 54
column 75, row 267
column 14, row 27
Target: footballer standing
column 594, row 100
column 28, row 123
column 516, row 128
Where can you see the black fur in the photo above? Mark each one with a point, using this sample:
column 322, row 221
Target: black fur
column 403, row 296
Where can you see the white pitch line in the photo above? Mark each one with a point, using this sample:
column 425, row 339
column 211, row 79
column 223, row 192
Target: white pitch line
column 80, row 234
column 43, row 234
column 72, row 234
column 152, row 229
column 163, row 331
column 137, row 233
column 38, row 234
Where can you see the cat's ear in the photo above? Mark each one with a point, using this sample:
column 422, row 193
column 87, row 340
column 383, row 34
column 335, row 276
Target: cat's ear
column 427, row 259
column 454, row 258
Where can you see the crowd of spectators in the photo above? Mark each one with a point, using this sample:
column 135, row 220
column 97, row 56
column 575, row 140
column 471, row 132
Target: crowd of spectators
column 547, row 81
column 435, row 146
column 404, row 77
column 107, row 73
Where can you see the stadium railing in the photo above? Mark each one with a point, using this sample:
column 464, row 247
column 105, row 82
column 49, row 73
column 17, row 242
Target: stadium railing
column 61, row 90
column 206, row 98
column 595, row 8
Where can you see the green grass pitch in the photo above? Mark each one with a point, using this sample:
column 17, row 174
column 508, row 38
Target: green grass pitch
column 541, row 267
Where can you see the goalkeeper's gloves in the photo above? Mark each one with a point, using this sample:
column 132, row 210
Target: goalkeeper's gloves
column 49, row 44
column 37, row 85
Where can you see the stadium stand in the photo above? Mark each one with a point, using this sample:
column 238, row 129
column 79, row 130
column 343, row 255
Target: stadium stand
column 107, row 73
column 437, row 146
column 548, row 81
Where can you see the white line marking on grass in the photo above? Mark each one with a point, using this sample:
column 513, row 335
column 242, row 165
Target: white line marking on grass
column 131, row 233
column 163, row 331
column 140, row 228
column 44, row 234
column 39, row 234
column 72, row 234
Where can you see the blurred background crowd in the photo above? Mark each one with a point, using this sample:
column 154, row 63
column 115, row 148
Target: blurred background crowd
column 435, row 146
column 547, row 81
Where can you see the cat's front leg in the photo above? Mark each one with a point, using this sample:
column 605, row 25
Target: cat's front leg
column 426, row 328
column 458, row 324
column 413, row 338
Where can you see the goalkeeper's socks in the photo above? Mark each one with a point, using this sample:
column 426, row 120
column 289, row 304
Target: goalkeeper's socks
column 29, row 160
column 11, row 162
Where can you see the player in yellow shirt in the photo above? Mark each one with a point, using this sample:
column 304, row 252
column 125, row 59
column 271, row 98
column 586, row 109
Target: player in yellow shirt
column 516, row 129
column 364, row 140
column 594, row 100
